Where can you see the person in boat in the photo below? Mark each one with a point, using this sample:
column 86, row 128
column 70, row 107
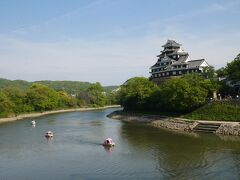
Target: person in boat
column 49, row 134
column 108, row 142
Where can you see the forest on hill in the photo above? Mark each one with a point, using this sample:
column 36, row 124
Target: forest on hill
column 71, row 87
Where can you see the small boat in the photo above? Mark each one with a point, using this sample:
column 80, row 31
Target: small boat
column 49, row 134
column 33, row 123
column 108, row 142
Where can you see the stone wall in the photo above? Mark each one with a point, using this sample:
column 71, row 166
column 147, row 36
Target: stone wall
column 176, row 124
column 229, row 129
column 155, row 120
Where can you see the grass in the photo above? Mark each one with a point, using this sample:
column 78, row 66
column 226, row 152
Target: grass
column 216, row 111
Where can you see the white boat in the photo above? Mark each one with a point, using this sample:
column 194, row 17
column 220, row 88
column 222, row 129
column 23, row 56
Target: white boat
column 33, row 123
column 49, row 134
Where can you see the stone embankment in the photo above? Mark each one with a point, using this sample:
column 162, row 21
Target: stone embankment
column 155, row 120
column 176, row 124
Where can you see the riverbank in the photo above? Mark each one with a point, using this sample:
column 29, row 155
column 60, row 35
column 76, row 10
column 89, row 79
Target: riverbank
column 38, row 114
column 175, row 124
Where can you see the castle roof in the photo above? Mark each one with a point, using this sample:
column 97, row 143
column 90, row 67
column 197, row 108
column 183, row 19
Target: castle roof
column 195, row 63
column 171, row 43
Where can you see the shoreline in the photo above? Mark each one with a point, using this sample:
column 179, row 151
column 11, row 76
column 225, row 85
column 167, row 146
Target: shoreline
column 38, row 114
column 176, row 124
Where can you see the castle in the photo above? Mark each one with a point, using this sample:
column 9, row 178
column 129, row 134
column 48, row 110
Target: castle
column 173, row 61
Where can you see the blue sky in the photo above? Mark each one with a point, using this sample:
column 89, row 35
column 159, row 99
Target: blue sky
column 110, row 41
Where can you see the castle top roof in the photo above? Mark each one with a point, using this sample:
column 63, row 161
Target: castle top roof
column 171, row 43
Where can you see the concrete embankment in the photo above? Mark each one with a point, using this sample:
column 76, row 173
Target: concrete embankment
column 177, row 124
column 38, row 114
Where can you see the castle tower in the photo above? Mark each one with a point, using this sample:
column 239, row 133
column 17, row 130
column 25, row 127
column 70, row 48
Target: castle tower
column 173, row 62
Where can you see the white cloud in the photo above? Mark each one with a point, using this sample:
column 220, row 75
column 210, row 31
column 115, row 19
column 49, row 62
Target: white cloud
column 106, row 61
column 109, row 62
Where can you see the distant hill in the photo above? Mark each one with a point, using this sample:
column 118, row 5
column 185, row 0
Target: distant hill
column 110, row 88
column 72, row 87
column 16, row 83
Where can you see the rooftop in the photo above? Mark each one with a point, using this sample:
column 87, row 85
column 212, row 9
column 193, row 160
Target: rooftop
column 171, row 43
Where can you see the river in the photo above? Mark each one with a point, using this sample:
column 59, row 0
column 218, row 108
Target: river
column 141, row 152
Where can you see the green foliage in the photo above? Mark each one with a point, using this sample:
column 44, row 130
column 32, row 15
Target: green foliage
column 42, row 98
column 65, row 100
column 16, row 83
column 183, row 95
column 136, row 93
column 71, row 87
column 208, row 72
column 6, row 105
column 97, row 96
column 233, row 69
column 18, row 97
column 174, row 95
column 109, row 89
column 222, row 72
column 226, row 111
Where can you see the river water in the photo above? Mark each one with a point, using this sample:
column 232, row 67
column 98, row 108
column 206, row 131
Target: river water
column 141, row 152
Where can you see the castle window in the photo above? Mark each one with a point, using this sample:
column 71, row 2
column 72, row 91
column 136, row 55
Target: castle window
column 179, row 72
column 167, row 73
column 174, row 72
column 163, row 74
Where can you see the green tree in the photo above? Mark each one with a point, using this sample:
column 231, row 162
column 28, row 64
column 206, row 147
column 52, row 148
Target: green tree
column 18, row 97
column 136, row 93
column 194, row 79
column 181, row 95
column 96, row 95
column 222, row 72
column 6, row 105
column 42, row 97
column 233, row 69
column 65, row 100
column 209, row 72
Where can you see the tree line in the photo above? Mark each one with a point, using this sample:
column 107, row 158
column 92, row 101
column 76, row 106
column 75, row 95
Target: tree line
column 181, row 94
column 38, row 98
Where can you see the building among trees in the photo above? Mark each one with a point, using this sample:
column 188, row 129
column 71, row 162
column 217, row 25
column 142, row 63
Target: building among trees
column 173, row 61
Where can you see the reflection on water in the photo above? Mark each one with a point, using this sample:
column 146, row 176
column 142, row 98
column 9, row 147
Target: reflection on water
column 187, row 157
column 141, row 152
column 108, row 149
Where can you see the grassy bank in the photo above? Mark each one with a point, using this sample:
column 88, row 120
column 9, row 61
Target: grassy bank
column 216, row 111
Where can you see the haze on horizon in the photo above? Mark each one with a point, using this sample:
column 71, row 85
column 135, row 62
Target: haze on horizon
column 110, row 41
